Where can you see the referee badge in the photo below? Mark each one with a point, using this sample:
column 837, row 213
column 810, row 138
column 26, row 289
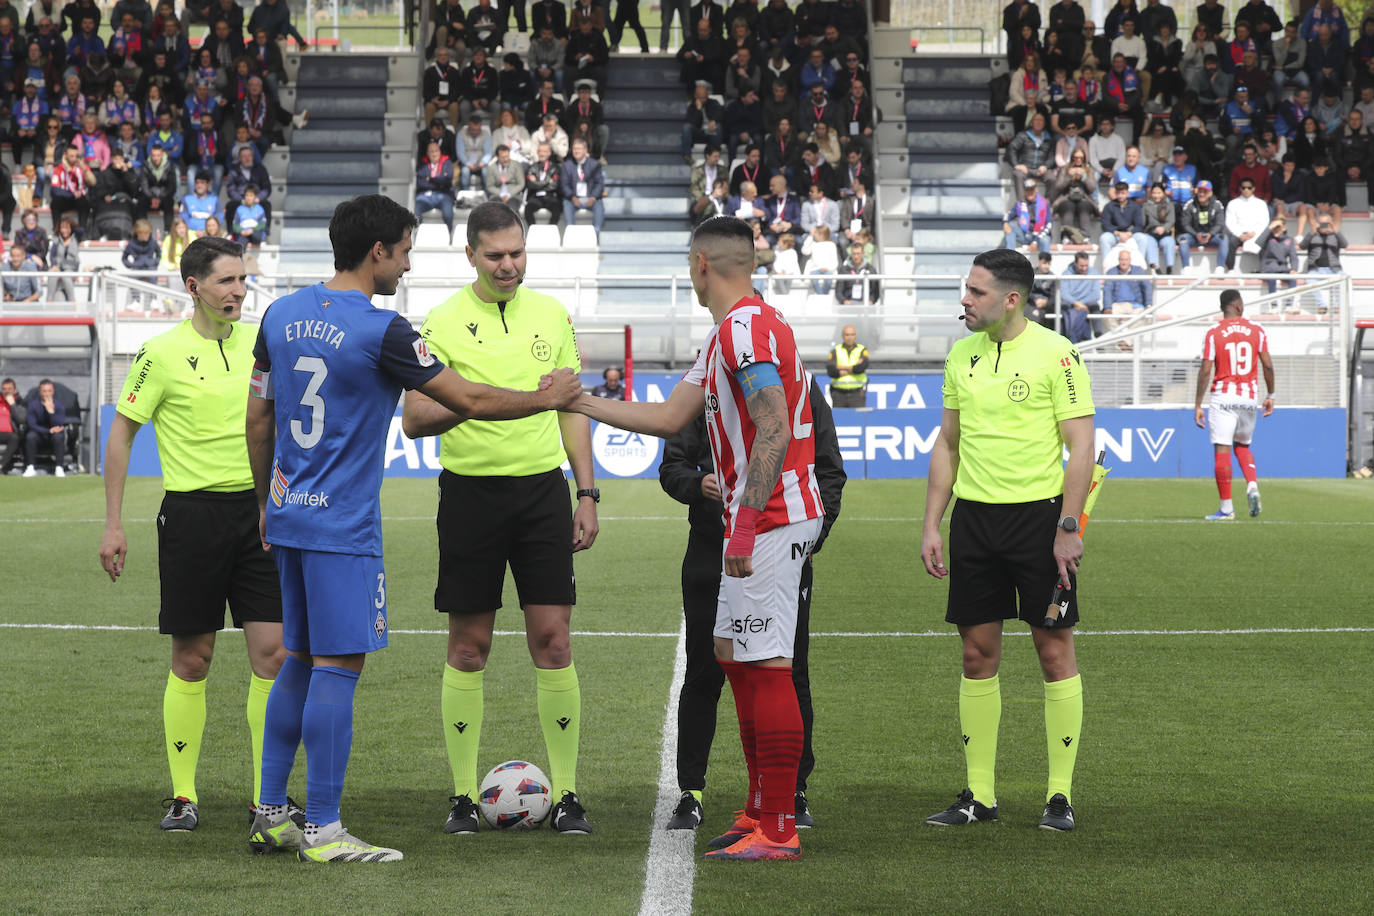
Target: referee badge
column 380, row 625
column 1018, row 390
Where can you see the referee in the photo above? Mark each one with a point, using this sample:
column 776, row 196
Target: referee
column 1015, row 395
column 687, row 474
column 503, row 500
column 192, row 383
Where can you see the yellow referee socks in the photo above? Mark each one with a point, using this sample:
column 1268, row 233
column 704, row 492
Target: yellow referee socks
column 258, row 690
column 461, row 703
column 980, row 713
column 1063, row 723
column 183, row 722
column 560, row 715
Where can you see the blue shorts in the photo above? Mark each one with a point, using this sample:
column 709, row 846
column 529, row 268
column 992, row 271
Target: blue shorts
column 332, row 603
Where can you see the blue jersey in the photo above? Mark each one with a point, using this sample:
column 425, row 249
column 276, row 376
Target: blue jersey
column 334, row 366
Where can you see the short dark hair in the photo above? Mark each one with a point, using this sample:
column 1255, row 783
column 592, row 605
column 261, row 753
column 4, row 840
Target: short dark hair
column 1228, row 296
column 1009, row 268
column 492, row 216
column 720, row 227
column 362, row 222
column 10, row 381
column 202, row 253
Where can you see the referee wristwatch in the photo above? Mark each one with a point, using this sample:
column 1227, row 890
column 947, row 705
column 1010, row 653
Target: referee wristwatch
column 1069, row 524
column 594, row 493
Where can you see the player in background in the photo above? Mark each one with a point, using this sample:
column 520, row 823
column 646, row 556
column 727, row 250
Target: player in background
column 1236, row 349
column 1015, row 395
column 503, row 500
column 763, row 447
column 189, row 382
column 329, row 371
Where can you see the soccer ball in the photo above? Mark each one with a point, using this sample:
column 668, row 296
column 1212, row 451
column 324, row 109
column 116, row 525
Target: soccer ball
column 515, row 794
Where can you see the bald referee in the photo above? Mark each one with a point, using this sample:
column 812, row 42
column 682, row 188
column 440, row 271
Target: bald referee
column 1015, row 395
column 191, row 383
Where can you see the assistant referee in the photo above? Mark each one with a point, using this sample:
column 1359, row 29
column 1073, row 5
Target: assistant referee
column 192, row 383
column 503, row 500
column 1015, row 394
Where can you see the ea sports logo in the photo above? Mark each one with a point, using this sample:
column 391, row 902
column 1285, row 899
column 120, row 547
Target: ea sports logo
column 622, row 453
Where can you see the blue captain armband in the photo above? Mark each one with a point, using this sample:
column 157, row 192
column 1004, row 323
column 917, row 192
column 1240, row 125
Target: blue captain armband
column 757, row 377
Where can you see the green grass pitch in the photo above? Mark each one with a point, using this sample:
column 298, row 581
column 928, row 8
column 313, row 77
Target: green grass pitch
column 1221, row 772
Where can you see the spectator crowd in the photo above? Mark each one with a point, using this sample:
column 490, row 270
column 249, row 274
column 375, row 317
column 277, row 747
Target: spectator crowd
column 1241, row 140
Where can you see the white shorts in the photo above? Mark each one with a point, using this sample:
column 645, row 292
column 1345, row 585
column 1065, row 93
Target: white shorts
column 759, row 612
column 1231, row 419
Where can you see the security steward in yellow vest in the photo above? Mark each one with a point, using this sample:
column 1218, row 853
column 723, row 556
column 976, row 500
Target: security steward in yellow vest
column 847, row 365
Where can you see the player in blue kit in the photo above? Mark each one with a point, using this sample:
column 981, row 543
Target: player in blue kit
column 328, row 375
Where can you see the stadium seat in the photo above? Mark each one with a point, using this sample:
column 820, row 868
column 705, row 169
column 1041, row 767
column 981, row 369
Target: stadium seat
column 580, row 237
column 583, row 217
column 432, row 235
column 543, row 237
column 543, row 217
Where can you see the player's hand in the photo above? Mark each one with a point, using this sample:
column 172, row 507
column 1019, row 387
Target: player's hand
column 739, row 551
column 262, row 528
column 1068, row 553
column 113, row 550
column 739, row 567
column 933, row 554
column 1268, row 407
column 564, row 389
column 710, row 488
column 1201, row 420
column 585, row 526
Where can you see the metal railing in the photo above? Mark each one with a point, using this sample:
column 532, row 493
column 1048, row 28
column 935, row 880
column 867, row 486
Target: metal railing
column 950, row 30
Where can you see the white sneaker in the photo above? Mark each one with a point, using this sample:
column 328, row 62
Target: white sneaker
column 339, row 845
column 30, row 472
column 58, row 471
column 1253, row 498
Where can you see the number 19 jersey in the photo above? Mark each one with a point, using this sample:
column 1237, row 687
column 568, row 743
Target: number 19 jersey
column 1234, row 346
column 334, row 365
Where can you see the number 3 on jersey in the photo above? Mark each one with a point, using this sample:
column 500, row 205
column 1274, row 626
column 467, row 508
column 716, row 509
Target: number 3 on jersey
column 311, row 398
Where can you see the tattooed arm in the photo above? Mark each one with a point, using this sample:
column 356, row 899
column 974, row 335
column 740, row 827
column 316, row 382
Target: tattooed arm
column 768, row 409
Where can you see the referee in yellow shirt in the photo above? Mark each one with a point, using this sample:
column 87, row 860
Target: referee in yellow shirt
column 192, row 383
column 503, row 500
column 1015, row 395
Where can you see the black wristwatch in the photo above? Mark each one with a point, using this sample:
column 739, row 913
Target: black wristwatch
column 594, row 493
column 1069, row 524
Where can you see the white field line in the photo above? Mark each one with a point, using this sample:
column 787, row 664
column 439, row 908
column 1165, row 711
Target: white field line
column 902, row 519
column 876, row 634
column 670, row 866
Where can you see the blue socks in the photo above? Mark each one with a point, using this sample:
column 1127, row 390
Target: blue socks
column 282, row 734
column 327, row 729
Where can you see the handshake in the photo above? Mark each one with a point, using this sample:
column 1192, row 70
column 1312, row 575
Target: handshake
column 561, row 388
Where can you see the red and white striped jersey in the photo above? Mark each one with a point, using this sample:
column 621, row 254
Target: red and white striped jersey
column 752, row 333
column 1234, row 346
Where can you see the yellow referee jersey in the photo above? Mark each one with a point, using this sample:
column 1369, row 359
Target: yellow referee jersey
column 195, row 392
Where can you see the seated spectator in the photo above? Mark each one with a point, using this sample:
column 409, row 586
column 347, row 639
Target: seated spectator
column 513, row 135
column 751, row 170
column 786, row 264
column 33, row 238
column 780, row 105
column 1289, row 115
column 818, row 210
column 1289, row 57
column 266, row 60
column 1079, row 300
column 214, row 229
column 1253, row 77
column 822, row 258
column 740, row 72
column 505, row 180
column 746, row 204
column 828, row 144
column 1270, row 149
column 1165, row 67
column 582, row 183
column 1365, row 106
column 1278, row 253
column 1330, row 110
column 1250, row 169
column 593, row 13
column 813, row 171
column 856, row 215
column 1290, row 190
column 852, row 69
column 248, row 225
column 1155, row 149
column 546, row 58
column 817, row 107
column 434, row 185
column 203, row 153
column 1041, row 300
column 782, row 152
column 174, row 245
column 450, row 29
column 544, row 104
column 1127, row 289
column 1326, row 59
column 71, row 105
column 19, row 288
column 587, row 55
column 702, row 59
column 717, row 203
column 158, row 181
column 29, row 112
column 1123, row 93
column 486, row 27
column 1031, row 153
column 855, row 168
column 782, row 210
column 478, row 86
column 118, row 109
column 1029, row 91
column 1028, row 221
column 551, row 15
column 1212, row 85
column 744, row 121
column 849, row 289
column 1179, row 176
column 585, row 108
column 1239, row 120
column 817, row 71
column 47, row 415
column 610, row 387
column 64, row 255
column 779, row 69
column 1069, row 111
column 776, row 26
column 141, row 252
column 1323, row 246
column 84, row 42
column 114, row 199
column 1310, row 143
column 441, row 88
column 264, row 117
column 199, row 205
column 1106, row 150
column 704, row 177
column 274, row 18
column 1134, row 51
column 1024, row 43
column 13, row 412
column 1160, row 218
column 1202, row 225
column 1073, row 200
column 1246, row 218
column 583, row 130
column 517, row 83
column 70, row 186
column 1123, row 223
column 244, row 172
column 1328, row 193
column 474, row 152
column 555, row 136
column 542, row 181
column 1068, row 144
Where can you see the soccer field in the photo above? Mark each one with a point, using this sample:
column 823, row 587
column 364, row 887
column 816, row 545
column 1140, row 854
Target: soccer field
column 1226, row 742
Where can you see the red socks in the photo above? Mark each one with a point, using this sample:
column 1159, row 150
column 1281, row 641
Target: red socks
column 1223, row 471
column 743, row 688
column 778, row 746
column 1247, row 463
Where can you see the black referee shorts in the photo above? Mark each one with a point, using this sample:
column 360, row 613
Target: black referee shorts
column 1002, row 555
column 209, row 554
column 485, row 523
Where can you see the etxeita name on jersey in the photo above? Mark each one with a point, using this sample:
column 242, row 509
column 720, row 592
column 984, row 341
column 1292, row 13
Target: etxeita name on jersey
column 329, row 332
